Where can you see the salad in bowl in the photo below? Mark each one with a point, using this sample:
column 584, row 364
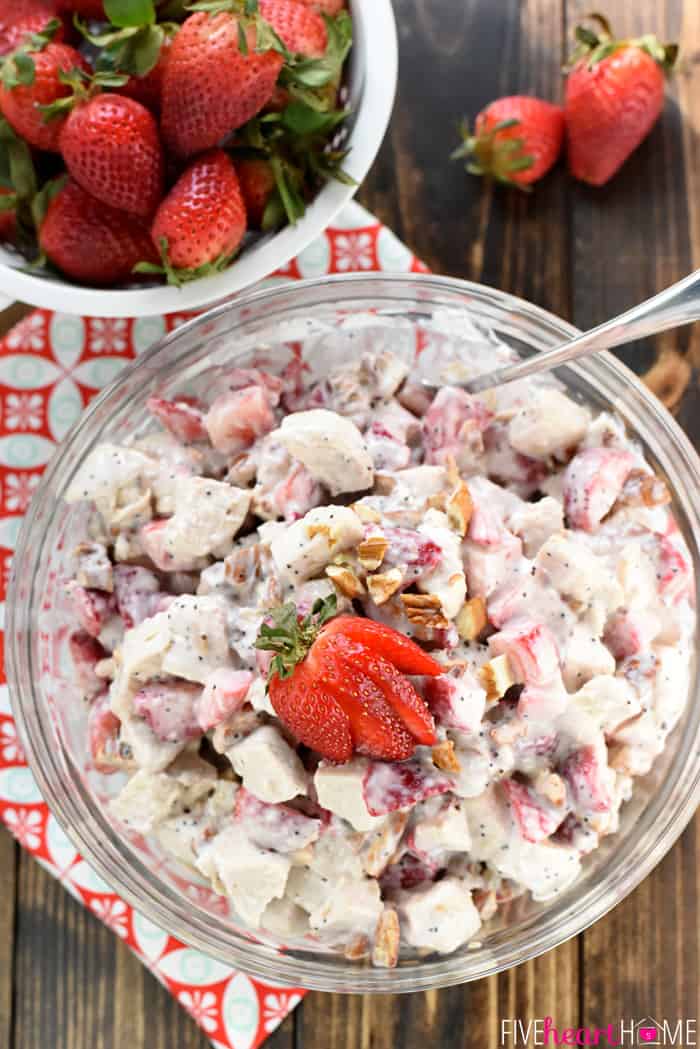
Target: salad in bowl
column 387, row 672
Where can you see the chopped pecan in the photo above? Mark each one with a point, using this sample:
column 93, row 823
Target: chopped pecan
column 313, row 530
column 552, row 787
column 496, row 678
column 459, row 509
column 380, row 846
column 357, row 948
column 371, row 551
column 384, row 484
column 424, row 610
column 382, row 585
column 437, row 501
column 643, row 489
column 345, row 580
column 471, row 619
column 444, row 756
column 243, row 564
column 385, row 952
column 366, row 513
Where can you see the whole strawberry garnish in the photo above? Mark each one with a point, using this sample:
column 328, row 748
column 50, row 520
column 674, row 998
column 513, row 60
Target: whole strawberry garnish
column 201, row 221
column 211, row 86
column 614, row 95
column 14, row 32
column 516, row 140
column 339, row 684
column 299, row 27
column 31, row 82
column 258, row 183
column 112, row 148
column 90, row 241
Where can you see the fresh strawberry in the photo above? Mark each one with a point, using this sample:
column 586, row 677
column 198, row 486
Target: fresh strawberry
column 299, row 27
column 210, row 86
column 202, row 219
column 103, row 735
column 185, row 421
column 22, row 97
column 614, row 95
column 91, row 241
column 148, row 89
column 337, row 686
column 516, row 140
column 257, row 181
column 111, row 147
column 14, row 31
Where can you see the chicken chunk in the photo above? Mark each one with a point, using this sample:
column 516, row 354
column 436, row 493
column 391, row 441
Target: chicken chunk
column 330, row 447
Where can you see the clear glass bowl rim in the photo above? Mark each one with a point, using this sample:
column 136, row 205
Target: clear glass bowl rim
column 60, row 784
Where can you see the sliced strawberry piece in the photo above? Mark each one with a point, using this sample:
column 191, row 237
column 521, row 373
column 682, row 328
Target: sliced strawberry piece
column 312, row 715
column 170, row 709
column 376, row 730
column 236, row 419
column 184, row 421
column 92, row 607
column 586, row 777
column 532, row 650
column 592, row 482
column 103, row 735
column 401, row 785
column 85, row 652
column 277, row 827
column 406, row 656
column 137, row 593
column 535, row 821
column 224, row 693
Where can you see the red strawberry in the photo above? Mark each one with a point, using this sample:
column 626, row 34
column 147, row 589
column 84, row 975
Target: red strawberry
column 301, row 29
column 20, row 104
column 91, row 241
column 14, row 32
column 148, row 89
column 111, row 147
column 614, row 95
column 7, row 217
column 338, row 686
column 210, row 87
column 203, row 217
column 516, row 140
column 257, row 182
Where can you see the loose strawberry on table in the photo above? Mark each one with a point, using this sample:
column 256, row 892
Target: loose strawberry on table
column 614, row 95
column 516, row 140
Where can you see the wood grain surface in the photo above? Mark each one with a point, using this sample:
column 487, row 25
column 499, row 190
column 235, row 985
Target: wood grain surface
column 66, row 982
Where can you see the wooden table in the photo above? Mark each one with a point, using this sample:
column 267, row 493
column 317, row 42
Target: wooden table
column 68, row 983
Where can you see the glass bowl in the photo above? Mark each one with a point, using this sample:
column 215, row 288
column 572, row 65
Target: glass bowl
column 326, row 321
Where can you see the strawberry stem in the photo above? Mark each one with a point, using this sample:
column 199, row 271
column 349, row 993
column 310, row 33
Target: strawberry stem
column 593, row 47
column 290, row 637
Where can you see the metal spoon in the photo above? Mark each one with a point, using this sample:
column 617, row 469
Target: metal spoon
column 677, row 305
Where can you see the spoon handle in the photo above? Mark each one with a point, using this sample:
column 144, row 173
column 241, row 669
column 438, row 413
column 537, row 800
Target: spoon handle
column 671, row 308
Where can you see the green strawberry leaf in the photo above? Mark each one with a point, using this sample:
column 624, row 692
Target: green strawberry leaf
column 8, row 201
column 317, row 72
column 242, row 39
column 292, row 201
column 41, row 201
column 178, row 277
column 16, row 165
column 302, row 119
column 274, row 213
column 125, row 13
column 18, row 70
column 132, row 51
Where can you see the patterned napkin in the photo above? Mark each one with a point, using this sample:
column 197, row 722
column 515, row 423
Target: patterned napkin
column 51, row 365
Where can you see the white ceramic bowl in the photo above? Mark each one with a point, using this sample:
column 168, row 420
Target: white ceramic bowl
column 372, row 85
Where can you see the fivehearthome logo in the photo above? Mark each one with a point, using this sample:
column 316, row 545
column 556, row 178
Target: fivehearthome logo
column 633, row 1033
